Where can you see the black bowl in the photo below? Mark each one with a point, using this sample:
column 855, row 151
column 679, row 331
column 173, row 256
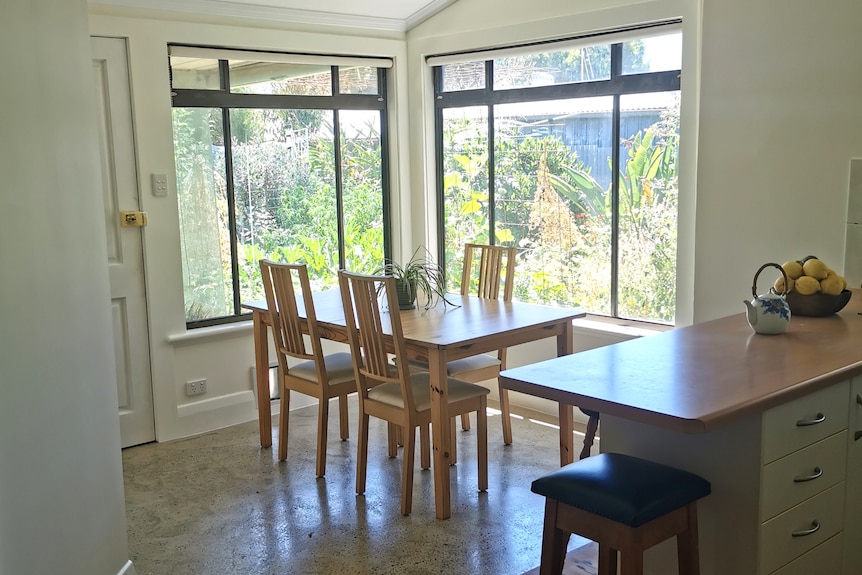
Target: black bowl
column 818, row 304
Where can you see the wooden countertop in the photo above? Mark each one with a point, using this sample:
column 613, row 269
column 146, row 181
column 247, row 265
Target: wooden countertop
column 697, row 378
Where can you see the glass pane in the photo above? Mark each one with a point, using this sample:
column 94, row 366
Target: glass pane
column 363, row 194
column 248, row 77
column 551, row 198
column 463, row 76
column 465, row 184
column 358, row 80
column 202, row 198
column 284, row 190
column 648, row 206
column 655, row 54
column 548, row 68
column 195, row 73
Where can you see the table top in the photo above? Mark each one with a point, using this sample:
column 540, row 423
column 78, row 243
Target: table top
column 696, row 378
column 467, row 323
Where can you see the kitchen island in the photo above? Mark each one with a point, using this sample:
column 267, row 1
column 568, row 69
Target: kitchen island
column 774, row 422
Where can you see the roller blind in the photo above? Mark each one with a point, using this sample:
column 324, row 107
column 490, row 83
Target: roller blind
column 607, row 37
column 225, row 54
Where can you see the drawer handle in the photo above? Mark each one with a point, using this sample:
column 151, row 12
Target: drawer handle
column 859, row 398
column 819, row 418
column 857, row 436
column 815, row 527
column 803, row 478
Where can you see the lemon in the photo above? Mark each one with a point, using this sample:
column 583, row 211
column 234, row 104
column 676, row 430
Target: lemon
column 778, row 286
column 815, row 268
column 793, row 269
column 832, row 284
column 807, row 285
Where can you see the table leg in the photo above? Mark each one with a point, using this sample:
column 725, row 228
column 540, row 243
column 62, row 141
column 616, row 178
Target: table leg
column 565, row 346
column 441, row 431
column 567, row 436
column 261, row 364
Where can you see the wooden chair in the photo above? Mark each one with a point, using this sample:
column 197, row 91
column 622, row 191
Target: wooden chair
column 317, row 375
column 495, row 269
column 388, row 390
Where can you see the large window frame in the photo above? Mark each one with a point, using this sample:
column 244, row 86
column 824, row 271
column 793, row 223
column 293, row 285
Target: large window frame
column 225, row 100
column 618, row 85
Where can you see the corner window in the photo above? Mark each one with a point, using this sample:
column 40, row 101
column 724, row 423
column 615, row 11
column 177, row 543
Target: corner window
column 277, row 156
column 569, row 152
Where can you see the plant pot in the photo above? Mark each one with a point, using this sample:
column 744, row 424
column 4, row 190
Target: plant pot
column 406, row 292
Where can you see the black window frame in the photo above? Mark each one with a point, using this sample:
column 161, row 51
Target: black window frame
column 225, row 100
column 617, row 85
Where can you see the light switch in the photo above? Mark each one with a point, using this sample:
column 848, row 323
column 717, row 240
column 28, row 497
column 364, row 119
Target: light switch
column 160, row 185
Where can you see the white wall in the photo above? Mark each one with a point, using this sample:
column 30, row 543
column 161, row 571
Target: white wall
column 61, row 483
column 780, row 118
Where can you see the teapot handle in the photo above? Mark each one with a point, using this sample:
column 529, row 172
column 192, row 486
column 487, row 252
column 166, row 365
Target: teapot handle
column 763, row 267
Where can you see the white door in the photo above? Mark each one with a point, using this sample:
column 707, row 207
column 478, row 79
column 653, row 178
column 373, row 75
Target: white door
column 125, row 246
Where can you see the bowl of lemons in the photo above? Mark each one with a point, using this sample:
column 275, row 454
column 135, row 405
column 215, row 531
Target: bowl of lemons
column 814, row 289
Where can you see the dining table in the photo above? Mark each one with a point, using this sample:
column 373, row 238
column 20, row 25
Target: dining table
column 453, row 328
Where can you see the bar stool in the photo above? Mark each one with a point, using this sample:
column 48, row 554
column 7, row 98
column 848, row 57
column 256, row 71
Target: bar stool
column 626, row 505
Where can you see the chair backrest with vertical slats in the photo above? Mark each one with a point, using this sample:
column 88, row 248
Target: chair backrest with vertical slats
column 370, row 306
column 283, row 302
column 496, row 265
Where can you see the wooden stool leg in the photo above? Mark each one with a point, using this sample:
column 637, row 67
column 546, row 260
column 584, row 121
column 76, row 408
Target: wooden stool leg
column 687, row 550
column 554, row 542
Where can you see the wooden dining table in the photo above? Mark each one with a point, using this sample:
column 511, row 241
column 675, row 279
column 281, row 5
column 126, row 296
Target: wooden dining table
column 466, row 326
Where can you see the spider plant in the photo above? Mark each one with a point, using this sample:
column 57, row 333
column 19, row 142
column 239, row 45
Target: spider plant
column 418, row 276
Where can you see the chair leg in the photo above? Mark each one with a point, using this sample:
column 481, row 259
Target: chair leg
column 394, row 437
column 607, row 560
column 590, row 435
column 362, row 452
column 465, row 421
column 482, row 439
column 322, row 429
column 453, row 452
column 425, row 446
column 554, row 542
column 343, row 419
column 688, row 555
column 283, row 417
column 506, row 414
column 409, row 436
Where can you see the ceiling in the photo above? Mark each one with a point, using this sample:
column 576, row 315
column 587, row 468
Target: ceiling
column 392, row 15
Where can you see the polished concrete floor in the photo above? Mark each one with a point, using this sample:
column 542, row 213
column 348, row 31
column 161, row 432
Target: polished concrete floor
column 219, row 504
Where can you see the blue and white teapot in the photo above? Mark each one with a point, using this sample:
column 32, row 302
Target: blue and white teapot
column 768, row 313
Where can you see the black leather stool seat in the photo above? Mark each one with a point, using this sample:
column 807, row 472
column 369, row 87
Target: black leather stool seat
column 622, row 488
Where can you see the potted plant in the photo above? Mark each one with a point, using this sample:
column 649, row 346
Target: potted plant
column 418, row 276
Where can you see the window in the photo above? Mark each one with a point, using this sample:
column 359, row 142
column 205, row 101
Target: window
column 277, row 156
column 568, row 151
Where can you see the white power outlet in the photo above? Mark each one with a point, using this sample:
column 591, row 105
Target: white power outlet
column 196, row 387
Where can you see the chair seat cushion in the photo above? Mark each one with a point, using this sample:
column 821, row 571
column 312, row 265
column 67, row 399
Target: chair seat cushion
column 622, row 488
column 390, row 393
column 339, row 368
column 463, row 365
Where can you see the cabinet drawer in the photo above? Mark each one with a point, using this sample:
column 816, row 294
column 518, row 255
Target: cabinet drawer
column 825, row 558
column 795, row 424
column 783, row 483
column 778, row 545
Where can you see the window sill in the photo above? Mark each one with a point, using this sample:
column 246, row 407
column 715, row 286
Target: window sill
column 215, row 332
column 622, row 327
